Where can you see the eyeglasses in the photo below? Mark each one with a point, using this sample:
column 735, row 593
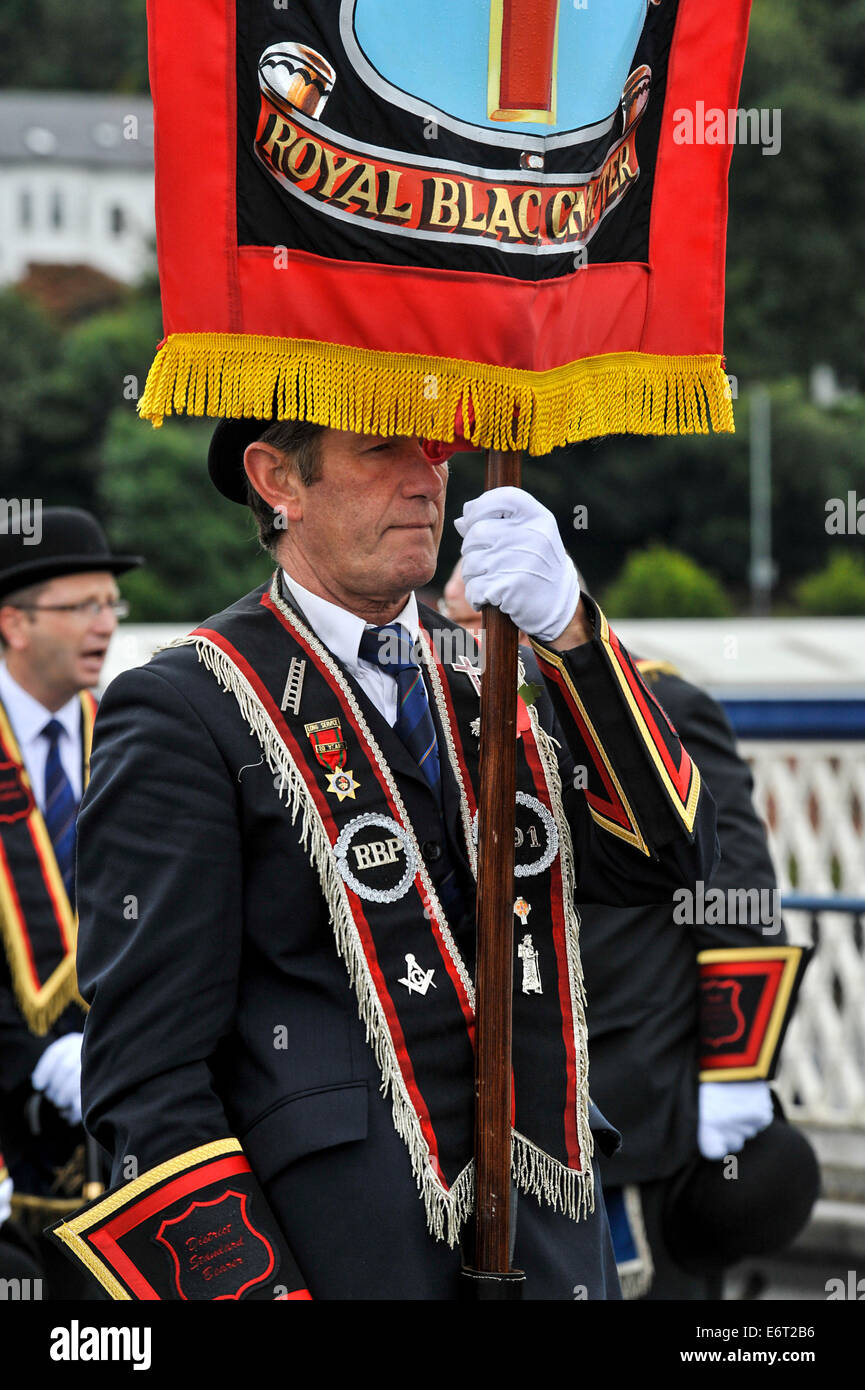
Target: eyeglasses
column 90, row 608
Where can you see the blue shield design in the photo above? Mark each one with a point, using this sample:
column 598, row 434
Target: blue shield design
column 435, row 60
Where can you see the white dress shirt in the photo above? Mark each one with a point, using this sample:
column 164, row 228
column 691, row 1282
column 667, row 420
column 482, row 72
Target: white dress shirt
column 28, row 718
column 341, row 631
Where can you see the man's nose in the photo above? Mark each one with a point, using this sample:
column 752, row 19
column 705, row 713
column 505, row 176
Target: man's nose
column 105, row 621
column 427, row 477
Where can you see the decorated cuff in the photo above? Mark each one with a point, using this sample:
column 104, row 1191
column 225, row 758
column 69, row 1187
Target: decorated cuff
column 640, row 784
column 196, row 1228
column 747, row 996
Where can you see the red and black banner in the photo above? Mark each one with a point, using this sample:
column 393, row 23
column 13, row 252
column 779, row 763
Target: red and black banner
column 488, row 199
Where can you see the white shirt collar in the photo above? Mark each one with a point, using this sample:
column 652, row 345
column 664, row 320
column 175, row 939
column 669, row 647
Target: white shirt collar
column 340, row 630
column 28, row 717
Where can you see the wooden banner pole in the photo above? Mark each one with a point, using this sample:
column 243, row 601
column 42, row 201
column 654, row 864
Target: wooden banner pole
column 495, row 936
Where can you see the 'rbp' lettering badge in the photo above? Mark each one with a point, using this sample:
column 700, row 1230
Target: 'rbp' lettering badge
column 375, row 858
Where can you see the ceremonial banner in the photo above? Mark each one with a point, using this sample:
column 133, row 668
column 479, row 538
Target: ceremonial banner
column 373, row 213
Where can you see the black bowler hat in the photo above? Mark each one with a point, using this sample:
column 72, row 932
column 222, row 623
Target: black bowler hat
column 227, row 447
column 712, row 1219
column 71, row 542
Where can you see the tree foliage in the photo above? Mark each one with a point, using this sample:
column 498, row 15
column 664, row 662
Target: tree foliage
column 838, row 589
column 663, row 583
column 77, row 45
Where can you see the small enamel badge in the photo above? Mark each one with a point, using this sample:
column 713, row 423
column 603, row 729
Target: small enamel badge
column 531, row 973
column 522, row 910
column 416, row 979
column 342, row 783
column 325, row 735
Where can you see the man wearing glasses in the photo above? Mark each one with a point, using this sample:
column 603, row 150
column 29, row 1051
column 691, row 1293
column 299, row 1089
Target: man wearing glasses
column 59, row 606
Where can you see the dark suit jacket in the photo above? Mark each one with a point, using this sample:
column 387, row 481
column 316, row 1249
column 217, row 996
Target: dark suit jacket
column 641, row 966
column 219, row 1004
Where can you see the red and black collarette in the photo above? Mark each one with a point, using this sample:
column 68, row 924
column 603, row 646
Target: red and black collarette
column 196, row 1228
column 615, row 710
column 747, row 997
column 37, row 922
column 413, row 983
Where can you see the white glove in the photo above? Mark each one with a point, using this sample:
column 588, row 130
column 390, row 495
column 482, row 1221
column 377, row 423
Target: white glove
column 5, row 1200
column 513, row 557
column 58, row 1074
column 730, row 1113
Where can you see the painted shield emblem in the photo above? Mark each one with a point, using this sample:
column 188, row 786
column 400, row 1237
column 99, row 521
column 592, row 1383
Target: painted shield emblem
column 508, row 67
column 721, row 1017
column 16, row 800
column 215, row 1250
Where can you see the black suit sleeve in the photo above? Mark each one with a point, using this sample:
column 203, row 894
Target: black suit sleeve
column 745, row 862
column 159, row 899
column 642, row 819
column 749, row 976
column 161, row 922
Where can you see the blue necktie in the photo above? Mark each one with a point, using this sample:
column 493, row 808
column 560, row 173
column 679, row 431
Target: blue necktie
column 61, row 808
column 391, row 648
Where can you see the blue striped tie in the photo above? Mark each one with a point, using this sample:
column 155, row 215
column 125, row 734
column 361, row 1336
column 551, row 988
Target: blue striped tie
column 61, row 808
column 391, row 648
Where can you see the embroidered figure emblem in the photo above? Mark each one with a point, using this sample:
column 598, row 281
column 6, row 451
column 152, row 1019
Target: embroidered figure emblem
column 522, row 910
column 293, row 685
column 531, row 972
column 330, row 750
column 465, row 668
column 475, row 727
column 416, row 979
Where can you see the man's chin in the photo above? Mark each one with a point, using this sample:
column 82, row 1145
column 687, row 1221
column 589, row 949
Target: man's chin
column 414, row 568
column 89, row 673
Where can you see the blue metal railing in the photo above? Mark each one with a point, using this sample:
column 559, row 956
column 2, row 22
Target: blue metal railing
column 797, row 718
column 810, row 902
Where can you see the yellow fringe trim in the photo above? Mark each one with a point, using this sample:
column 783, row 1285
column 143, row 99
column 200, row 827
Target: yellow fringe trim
column 233, row 375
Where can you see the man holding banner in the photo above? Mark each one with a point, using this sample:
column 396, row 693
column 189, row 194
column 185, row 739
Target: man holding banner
column 221, row 1030
column 301, row 795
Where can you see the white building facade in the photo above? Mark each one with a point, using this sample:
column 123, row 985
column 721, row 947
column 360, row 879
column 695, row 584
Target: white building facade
column 76, row 183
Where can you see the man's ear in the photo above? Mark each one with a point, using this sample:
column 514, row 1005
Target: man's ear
column 274, row 479
column 13, row 625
